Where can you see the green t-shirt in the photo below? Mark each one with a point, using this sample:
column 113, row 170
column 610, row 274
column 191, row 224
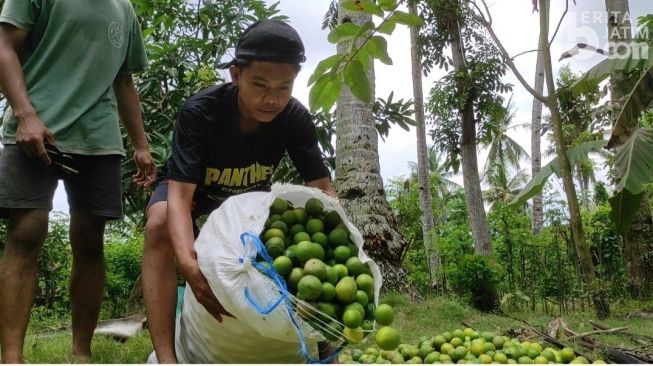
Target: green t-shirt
column 74, row 51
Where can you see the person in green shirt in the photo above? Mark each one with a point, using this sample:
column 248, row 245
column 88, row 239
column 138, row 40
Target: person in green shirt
column 65, row 68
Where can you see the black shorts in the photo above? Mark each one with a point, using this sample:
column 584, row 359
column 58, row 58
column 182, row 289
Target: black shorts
column 28, row 183
column 201, row 205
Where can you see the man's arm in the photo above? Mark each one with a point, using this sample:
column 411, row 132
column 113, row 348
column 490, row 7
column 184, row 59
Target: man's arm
column 180, row 228
column 323, row 184
column 30, row 131
column 130, row 115
column 325, row 350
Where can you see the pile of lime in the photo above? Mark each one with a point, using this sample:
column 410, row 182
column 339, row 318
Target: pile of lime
column 466, row 346
column 313, row 251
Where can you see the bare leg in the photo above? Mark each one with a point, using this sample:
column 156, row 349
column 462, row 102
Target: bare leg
column 159, row 283
column 87, row 280
column 26, row 234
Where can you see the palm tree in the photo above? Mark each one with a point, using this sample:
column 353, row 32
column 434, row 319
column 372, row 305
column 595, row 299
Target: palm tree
column 504, row 158
column 506, row 192
column 425, row 199
column 441, row 179
column 536, row 134
column 442, row 189
column 358, row 179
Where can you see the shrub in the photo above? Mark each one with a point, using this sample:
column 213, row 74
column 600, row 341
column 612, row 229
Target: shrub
column 54, row 266
column 123, row 254
column 476, row 278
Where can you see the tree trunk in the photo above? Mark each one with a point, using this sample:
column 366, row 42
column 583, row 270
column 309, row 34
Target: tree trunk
column 536, row 133
column 425, row 200
column 639, row 268
column 584, row 256
column 506, row 235
column 468, row 156
column 358, row 180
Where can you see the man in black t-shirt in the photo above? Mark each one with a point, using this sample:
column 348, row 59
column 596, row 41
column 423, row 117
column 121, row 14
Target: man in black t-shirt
column 227, row 140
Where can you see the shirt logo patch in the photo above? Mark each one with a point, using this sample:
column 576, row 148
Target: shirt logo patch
column 116, row 37
column 238, row 177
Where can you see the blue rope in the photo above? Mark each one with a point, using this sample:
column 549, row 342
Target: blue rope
column 283, row 297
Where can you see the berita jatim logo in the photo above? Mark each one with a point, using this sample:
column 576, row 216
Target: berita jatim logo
column 587, row 33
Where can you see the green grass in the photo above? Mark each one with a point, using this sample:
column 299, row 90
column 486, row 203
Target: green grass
column 49, row 340
column 56, row 348
column 45, row 344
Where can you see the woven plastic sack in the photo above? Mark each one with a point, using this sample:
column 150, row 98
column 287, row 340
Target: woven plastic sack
column 265, row 329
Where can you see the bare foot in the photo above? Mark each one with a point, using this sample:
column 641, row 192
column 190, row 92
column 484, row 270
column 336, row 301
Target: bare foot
column 79, row 359
column 13, row 361
column 168, row 361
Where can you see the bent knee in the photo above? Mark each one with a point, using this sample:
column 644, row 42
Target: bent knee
column 156, row 227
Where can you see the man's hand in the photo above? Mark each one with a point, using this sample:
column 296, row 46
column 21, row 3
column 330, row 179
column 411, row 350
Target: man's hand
column 146, row 173
column 31, row 135
column 325, row 185
column 203, row 292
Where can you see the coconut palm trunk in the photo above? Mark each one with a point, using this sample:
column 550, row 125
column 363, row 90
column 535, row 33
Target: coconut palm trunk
column 358, row 179
column 468, row 156
column 536, row 133
column 425, row 199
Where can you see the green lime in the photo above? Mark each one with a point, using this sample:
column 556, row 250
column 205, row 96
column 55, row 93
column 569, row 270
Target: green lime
column 320, row 238
column 280, row 225
column 300, row 237
column 338, row 237
column 309, row 288
column 314, row 226
column 283, row 265
column 314, row 207
column 297, row 228
column 279, row 206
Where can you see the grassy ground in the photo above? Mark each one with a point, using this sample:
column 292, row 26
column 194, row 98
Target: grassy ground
column 437, row 315
column 44, row 344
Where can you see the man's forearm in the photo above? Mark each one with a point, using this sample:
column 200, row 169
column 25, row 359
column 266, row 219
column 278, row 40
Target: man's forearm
column 12, row 79
column 325, row 350
column 180, row 228
column 129, row 110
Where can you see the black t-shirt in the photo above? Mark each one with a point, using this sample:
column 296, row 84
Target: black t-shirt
column 208, row 148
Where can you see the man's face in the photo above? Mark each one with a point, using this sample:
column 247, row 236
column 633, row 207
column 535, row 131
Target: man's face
column 264, row 88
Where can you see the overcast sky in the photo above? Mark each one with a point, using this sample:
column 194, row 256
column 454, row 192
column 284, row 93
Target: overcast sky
column 515, row 24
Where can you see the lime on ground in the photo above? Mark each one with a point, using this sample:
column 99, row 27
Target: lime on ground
column 387, row 338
